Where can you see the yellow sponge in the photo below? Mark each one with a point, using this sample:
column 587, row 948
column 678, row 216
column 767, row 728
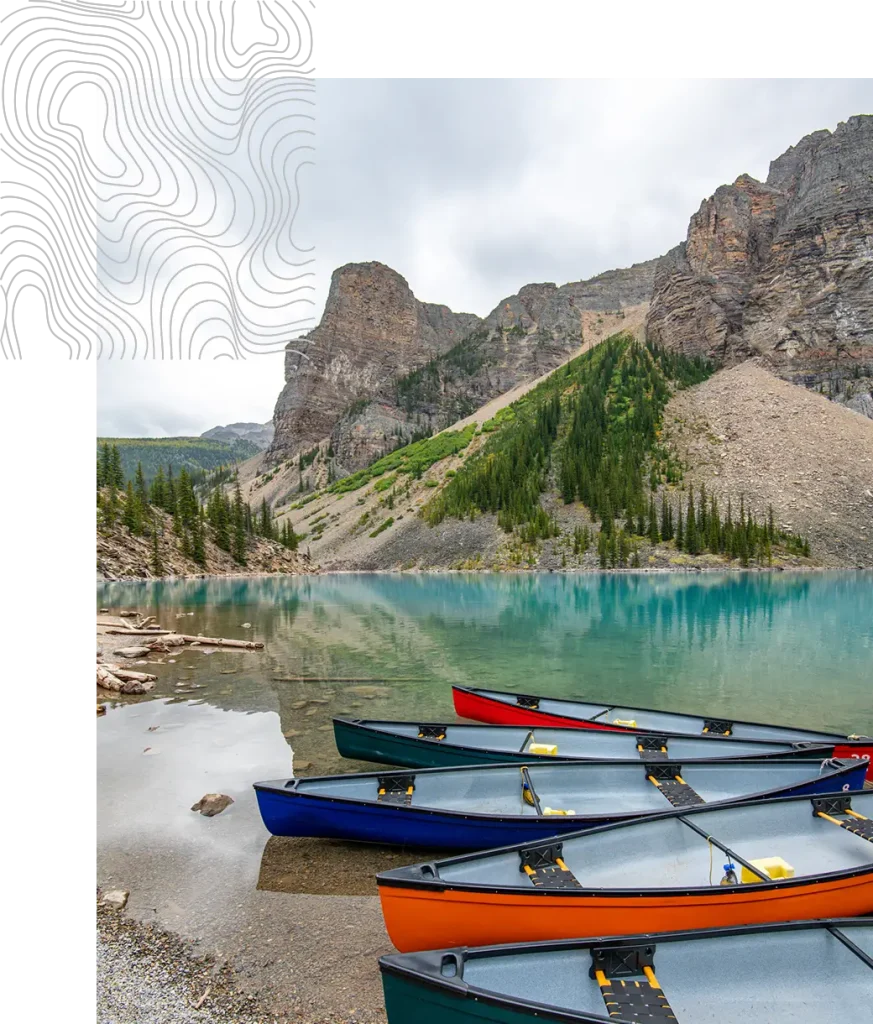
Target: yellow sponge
column 543, row 748
column 771, row 867
column 629, row 723
column 552, row 810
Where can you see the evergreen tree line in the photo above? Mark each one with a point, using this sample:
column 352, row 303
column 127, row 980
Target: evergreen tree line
column 596, row 420
column 228, row 521
column 700, row 527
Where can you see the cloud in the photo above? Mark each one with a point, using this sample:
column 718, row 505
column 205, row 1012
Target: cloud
column 472, row 188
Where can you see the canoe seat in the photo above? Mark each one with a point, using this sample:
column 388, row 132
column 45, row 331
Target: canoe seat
column 828, row 806
column 628, row 984
column 396, row 789
column 652, row 748
column 718, row 726
column 545, row 867
column 431, row 732
column 668, row 778
column 527, row 702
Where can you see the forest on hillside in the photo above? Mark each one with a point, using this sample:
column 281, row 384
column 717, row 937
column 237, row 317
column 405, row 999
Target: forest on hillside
column 198, row 455
column 592, row 433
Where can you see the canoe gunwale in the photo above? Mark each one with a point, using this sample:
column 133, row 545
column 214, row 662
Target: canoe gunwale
column 396, row 879
column 482, row 693
column 289, row 789
column 399, row 965
column 793, row 749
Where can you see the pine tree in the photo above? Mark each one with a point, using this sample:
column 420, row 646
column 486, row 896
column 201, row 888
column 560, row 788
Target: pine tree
column 239, row 527
column 680, row 532
column 132, row 511
column 116, row 473
column 158, row 490
column 141, row 491
column 266, row 521
column 198, row 545
column 157, row 564
column 105, row 475
column 665, row 525
column 171, row 491
column 692, row 541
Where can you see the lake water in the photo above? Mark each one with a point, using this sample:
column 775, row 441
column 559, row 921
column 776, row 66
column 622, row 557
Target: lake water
column 299, row 915
column 794, row 648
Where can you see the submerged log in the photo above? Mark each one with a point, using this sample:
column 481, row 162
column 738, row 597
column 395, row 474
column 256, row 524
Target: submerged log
column 248, row 645
column 128, row 675
column 146, row 622
column 139, row 632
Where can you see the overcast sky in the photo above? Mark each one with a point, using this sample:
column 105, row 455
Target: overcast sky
column 472, row 188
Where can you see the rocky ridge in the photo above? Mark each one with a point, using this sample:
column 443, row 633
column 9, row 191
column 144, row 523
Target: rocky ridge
column 782, row 269
column 260, row 434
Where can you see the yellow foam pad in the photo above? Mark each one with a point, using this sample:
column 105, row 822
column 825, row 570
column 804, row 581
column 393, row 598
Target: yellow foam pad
column 772, row 867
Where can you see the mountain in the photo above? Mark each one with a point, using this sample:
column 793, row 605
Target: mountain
column 259, row 434
column 383, row 368
column 602, row 463
column 192, row 453
column 373, row 330
column 783, row 269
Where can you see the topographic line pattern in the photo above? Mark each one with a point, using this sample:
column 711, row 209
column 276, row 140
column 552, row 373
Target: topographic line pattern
column 154, row 159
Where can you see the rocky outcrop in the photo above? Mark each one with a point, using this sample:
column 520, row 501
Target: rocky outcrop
column 782, row 269
column 373, row 330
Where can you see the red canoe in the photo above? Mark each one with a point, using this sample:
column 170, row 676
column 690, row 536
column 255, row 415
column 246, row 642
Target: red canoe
column 499, row 708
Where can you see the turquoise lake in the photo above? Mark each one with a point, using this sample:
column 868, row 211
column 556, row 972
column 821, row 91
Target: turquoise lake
column 779, row 647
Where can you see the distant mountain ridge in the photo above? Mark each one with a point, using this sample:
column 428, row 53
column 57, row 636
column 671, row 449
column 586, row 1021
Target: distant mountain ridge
column 259, row 434
column 191, row 453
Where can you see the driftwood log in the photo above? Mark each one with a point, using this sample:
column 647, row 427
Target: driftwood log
column 248, row 645
column 128, row 675
column 108, row 680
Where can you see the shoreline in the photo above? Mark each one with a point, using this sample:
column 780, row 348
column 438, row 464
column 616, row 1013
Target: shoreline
column 679, row 570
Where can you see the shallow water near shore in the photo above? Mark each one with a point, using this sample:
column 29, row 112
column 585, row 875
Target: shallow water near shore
column 300, row 916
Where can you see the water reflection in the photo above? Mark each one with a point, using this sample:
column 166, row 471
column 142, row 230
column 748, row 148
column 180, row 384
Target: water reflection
column 790, row 647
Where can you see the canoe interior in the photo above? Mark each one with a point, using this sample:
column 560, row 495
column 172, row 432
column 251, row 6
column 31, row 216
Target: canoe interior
column 664, row 853
column 656, row 721
column 758, row 978
column 579, row 743
column 588, row 788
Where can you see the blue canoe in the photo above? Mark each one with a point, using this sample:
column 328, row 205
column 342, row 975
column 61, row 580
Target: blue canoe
column 497, row 805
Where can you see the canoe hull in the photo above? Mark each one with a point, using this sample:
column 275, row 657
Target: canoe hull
column 289, row 812
column 357, row 741
column 407, row 1001
column 419, row 919
column 480, row 708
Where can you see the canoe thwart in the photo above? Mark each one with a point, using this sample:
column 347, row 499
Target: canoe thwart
column 432, row 732
column 545, row 867
column 630, row 990
column 396, row 789
column 718, row 726
column 827, row 806
column 652, row 746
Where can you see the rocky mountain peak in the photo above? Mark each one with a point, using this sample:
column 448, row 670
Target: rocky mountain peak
column 782, row 269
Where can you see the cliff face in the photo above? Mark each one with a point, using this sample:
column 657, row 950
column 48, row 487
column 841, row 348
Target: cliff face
column 524, row 336
column 382, row 367
column 782, row 269
column 372, row 331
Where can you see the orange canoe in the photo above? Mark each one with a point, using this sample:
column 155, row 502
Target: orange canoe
column 795, row 859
